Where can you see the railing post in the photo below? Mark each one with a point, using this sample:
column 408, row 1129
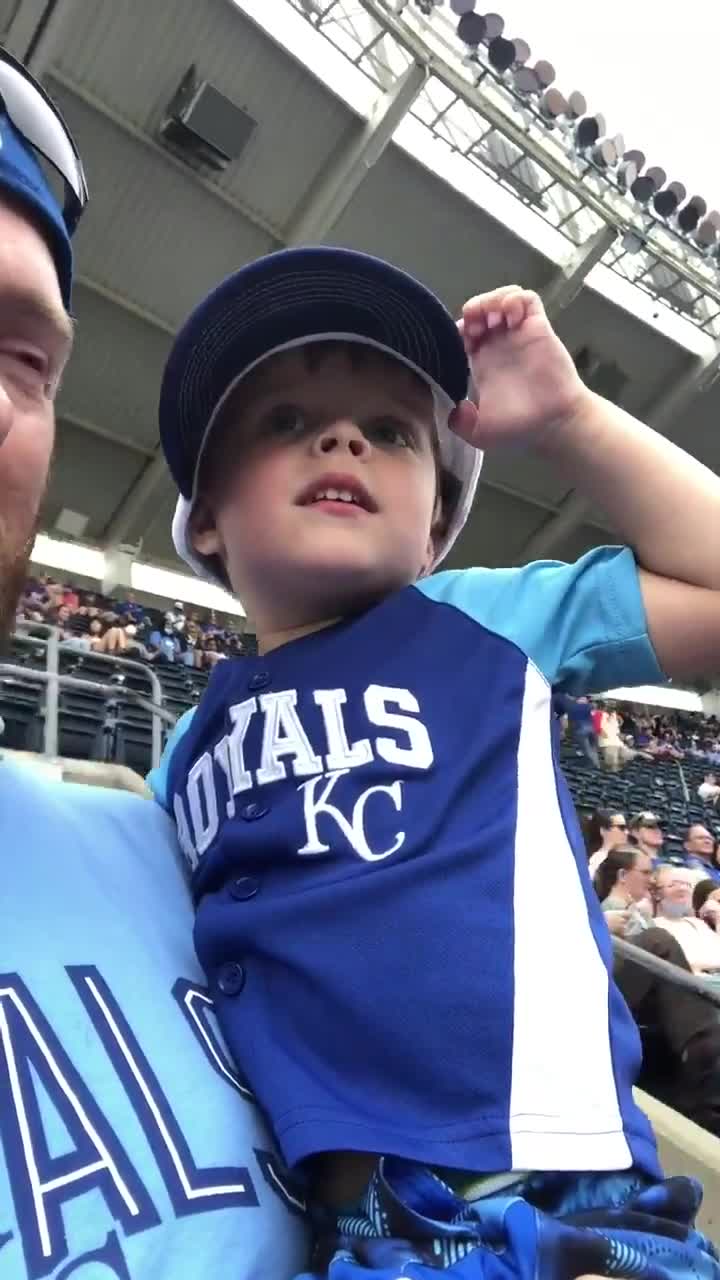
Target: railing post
column 52, row 693
column 156, row 741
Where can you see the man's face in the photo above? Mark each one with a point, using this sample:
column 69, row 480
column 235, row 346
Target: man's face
column 649, row 836
column 700, row 842
column 674, row 890
column 305, row 437
column 637, row 879
column 35, row 339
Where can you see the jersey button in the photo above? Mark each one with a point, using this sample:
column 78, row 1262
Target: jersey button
column 251, row 812
column 244, row 888
column 260, row 680
column 231, row 978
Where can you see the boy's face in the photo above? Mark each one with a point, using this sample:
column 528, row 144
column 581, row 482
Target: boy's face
column 307, row 429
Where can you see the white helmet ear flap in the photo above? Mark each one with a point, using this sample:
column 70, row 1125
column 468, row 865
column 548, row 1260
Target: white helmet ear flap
column 464, row 462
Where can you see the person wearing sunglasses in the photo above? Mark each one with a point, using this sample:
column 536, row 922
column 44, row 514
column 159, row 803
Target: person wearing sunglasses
column 128, row 1145
column 647, row 833
column 603, row 831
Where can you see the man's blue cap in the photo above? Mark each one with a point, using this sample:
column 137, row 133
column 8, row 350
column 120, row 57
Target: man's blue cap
column 22, row 175
column 287, row 297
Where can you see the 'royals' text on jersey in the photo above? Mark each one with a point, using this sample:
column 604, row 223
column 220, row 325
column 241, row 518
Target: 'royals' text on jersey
column 374, row 819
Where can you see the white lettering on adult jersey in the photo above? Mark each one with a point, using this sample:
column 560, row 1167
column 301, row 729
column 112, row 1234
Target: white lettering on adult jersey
column 284, row 736
column 340, row 754
column 32, row 1062
column 203, row 802
column 419, row 753
column 353, row 829
column 42, row 1092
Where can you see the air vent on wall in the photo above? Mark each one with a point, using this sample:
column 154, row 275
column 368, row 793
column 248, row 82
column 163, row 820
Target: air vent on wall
column 203, row 126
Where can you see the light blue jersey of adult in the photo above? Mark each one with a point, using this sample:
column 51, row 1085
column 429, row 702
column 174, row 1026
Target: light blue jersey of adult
column 394, row 908
column 129, row 1148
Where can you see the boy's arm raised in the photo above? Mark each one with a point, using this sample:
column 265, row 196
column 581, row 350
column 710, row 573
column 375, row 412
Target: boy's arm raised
column 660, row 501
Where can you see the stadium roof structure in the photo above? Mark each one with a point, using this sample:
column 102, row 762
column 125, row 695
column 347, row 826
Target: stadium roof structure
column 218, row 131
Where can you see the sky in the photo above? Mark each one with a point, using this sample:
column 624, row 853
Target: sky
column 650, row 68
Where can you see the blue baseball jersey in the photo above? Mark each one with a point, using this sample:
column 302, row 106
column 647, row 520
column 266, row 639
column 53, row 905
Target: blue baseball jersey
column 129, row 1146
column 393, row 905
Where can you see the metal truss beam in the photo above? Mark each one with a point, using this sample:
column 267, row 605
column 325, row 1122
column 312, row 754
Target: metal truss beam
column 344, row 174
column 569, row 278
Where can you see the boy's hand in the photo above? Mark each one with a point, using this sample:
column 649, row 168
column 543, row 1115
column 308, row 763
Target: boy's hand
column 526, row 383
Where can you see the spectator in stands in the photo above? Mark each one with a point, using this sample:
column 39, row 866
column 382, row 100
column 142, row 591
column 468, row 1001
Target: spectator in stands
column 164, row 646
column 706, row 902
column 129, row 610
column 686, row 1025
column 212, row 652
column 709, row 791
column 674, row 913
column 90, row 607
column 615, row 752
column 622, row 884
column 71, row 598
column 579, row 718
column 191, row 643
column 699, row 846
column 646, row 832
column 604, row 831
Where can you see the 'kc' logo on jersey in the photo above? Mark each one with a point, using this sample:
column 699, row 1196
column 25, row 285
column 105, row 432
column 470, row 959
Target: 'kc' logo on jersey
column 220, row 776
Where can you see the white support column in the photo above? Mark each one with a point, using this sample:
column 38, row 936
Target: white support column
column 335, row 188
column 575, row 509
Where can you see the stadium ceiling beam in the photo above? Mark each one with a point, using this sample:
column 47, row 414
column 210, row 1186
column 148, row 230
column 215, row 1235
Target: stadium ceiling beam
column 103, row 433
column 575, row 510
column 126, row 516
column 334, row 190
column 36, row 32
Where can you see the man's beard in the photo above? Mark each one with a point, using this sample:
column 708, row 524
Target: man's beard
column 14, row 562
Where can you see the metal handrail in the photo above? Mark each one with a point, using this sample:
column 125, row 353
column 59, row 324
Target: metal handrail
column 53, row 681
column 666, row 970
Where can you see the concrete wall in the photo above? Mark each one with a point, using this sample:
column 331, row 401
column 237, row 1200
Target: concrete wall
column 685, row 1148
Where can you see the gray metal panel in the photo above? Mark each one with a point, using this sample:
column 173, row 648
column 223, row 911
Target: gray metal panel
column 134, row 65
column 89, row 475
column 496, row 531
column 114, row 375
column 406, row 214
column 8, row 9
column 151, row 233
column 696, row 428
column 521, row 471
column 157, row 543
column 614, row 335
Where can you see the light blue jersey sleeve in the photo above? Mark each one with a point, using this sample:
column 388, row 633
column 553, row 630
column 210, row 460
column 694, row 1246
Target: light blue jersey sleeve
column 583, row 625
column 157, row 779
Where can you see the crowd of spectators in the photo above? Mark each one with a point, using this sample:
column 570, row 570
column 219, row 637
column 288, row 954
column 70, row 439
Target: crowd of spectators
column 610, row 737
column 668, row 906
column 92, row 623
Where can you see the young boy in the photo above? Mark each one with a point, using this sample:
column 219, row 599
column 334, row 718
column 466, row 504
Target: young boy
column 371, row 808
